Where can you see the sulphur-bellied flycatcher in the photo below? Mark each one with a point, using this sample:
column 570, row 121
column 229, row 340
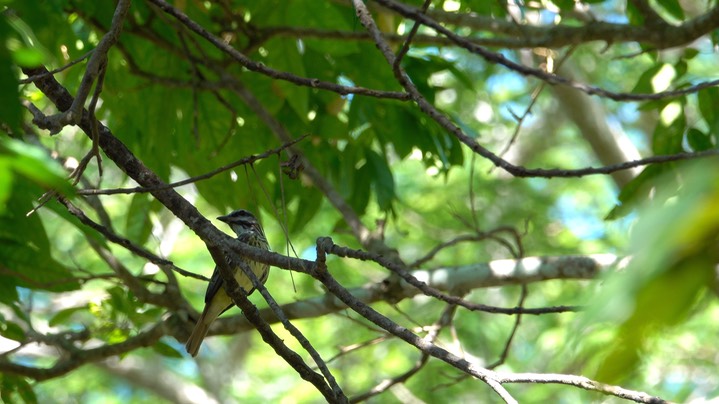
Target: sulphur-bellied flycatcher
column 249, row 231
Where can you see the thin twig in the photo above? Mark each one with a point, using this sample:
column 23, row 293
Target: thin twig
column 242, row 161
column 32, row 79
column 360, row 231
column 444, row 320
column 325, row 245
column 239, row 297
column 75, row 357
column 535, row 96
column 497, row 58
column 515, row 327
column 304, row 342
column 457, row 240
column 330, row 247
column 430, row 110
column 96, row 63
column 261, row 68
column 127, row 244
column 405, row 46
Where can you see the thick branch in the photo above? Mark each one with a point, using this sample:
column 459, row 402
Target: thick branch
column 239, row 297
column 213, row 238
column 512, row 35
column 450, row 280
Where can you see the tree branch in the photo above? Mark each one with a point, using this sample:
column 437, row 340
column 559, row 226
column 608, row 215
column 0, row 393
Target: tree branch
column 578, row 381
column 509, row 34
column 239, row 297
column 430, row 110
column 78, row 357
column 73, row 114
column 212, row 237
column 243, row 161
column 499, row 59
column 450, row 280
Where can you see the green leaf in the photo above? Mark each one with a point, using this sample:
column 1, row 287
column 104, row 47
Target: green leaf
column 88, row 232
column 673, row 8
column 63, row 316
column 35, row 268
column 360, row 193
column 6, row 180
column 25, row 390
column 698, row 140
column 8, row 290
column 28, row 57
column 15, row 225
column 680, row 67
column 138, row 225
column 653, row 312
column 635, row 192
column 708, row 99
column 121, row 301
column 24, row 245
column 634, row 16
column 285, row 56
column 668, row 139
column 11, row 330
column 322, row 15
column 309, row 204
column 654, row 105
column 166, row 350
column 34, row 164
column 10, row 384
column 11, row 111
column 381, row 179
column 679, row 263
column 564, row 5
column 487, row 8
column 644, row 84
column 690, row 53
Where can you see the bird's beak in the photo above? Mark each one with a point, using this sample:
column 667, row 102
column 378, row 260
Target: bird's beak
column 225, row 218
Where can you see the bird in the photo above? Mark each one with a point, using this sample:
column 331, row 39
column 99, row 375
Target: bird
column 217, row 301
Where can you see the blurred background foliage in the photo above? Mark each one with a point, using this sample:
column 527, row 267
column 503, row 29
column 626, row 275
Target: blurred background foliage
column 647, row 327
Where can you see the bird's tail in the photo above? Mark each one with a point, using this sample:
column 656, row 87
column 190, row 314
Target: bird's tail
column 198, row 334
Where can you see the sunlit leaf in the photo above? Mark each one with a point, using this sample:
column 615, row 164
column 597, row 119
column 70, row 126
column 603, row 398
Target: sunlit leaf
column 34, row 164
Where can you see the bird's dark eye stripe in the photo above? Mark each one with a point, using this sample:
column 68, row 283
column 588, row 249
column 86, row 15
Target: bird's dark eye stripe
column 241, row 213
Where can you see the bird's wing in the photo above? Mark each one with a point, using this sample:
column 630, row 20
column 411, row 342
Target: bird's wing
column 215, row 285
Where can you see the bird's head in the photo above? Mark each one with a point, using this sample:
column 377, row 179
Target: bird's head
column 241, row 222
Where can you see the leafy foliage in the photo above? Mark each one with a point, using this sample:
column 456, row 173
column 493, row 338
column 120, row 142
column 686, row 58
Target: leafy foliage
column 88, row 272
